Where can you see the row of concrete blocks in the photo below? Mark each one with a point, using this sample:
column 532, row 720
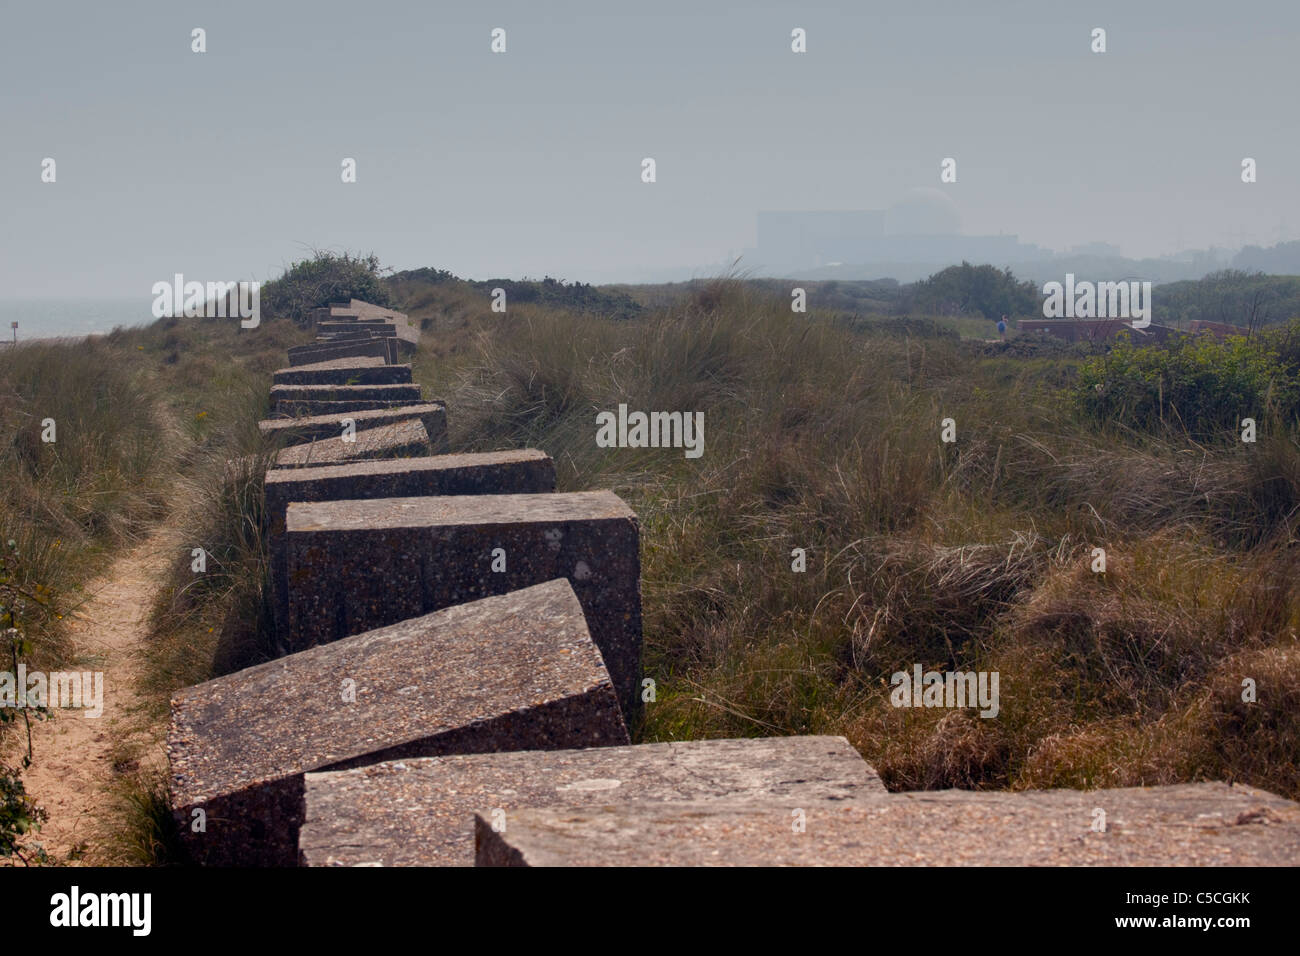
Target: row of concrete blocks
column 489, row 733
column 357, row 310
column 322, row 394
column 377, row 346
column 357, row 320
column 376, row 565
column 508, row 744
column 374, row 542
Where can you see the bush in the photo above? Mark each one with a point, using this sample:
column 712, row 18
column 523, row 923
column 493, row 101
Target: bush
column 972, row 290
column 556, row 293
column 1193, row 383
column 326, row 277
column 1249, row 300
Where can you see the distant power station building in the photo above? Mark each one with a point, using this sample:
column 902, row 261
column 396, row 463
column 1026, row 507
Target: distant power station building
column 923, row 228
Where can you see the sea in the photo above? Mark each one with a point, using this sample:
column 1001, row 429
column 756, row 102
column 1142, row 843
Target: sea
column 69, row 318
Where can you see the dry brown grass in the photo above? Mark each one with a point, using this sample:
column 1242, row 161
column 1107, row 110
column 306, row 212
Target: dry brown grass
column 967, row 556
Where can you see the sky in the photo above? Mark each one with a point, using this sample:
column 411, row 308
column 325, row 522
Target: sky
column 226, row 164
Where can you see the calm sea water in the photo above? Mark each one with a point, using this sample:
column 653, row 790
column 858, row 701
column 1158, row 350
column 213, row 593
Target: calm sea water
column 56, row 318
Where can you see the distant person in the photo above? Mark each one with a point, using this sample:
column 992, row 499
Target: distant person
column 1002, row 328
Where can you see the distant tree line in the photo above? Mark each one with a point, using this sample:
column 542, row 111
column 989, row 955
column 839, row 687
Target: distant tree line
column 1234, row 297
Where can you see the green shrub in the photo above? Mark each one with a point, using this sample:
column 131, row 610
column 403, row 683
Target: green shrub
column 326, row 277
column 1193, row 384
column 973, row 290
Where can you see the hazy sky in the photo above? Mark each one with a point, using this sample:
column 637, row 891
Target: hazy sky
column 226, row 164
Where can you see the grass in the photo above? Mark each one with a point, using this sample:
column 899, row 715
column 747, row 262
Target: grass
column 211, row 623
column 825, row 435
column 820, row 434
column 144, row 420
column 70, row 500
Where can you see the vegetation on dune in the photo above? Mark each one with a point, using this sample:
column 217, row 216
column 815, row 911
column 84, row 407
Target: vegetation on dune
column 975, row 555
column 81, row 454
column 1196, row 384
column 324, row 278
column 971, row 297
column 822, row 433
column 420, row 288
column 968, row 289
column 1231, row 296
column 141, row 421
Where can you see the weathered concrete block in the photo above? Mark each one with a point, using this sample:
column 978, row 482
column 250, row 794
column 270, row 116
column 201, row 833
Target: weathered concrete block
column 1204, row 824
column 403, row 440
column 527, row 471
column 316, row 427
column 408, row 340
column 336, row 322
column 335, row 338
column 332, row 327
column 301, row 354
column 311, row 354
column 513, row 672
column 356, row 370
column 303, row 408
column 373, row 329
column 355, row 565
column 364, row 312
column 364, row 329
column 336, row 332
column 368, row 311
column 407, row 394
column 421, row 812
column 522, row 471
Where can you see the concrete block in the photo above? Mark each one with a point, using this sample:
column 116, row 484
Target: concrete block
column 316, row 427
column 356, row 565
column 304, row 408
column 408, row 340
column 371, row 329
column 368, row 310
column 1202, row 824
column 513, row 672
column 311, row 354
column 421, row 812
column 408, row 394
column 356, row 370
column 406, row 439
column 527, row 471
column 335, row 338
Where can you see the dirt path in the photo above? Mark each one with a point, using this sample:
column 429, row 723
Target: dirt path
column 77, row 760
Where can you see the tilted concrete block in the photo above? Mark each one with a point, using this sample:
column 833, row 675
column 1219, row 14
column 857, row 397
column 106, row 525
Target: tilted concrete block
column 316, row 427
column 421, row 812
column 1202, row 824
column 405, row 439
column 355, row 565
column 304, row 408
column 311, row 354
column 355, row 370
column 518, row 671
column 371, row 329
column 526, row 471
column 408, row 394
